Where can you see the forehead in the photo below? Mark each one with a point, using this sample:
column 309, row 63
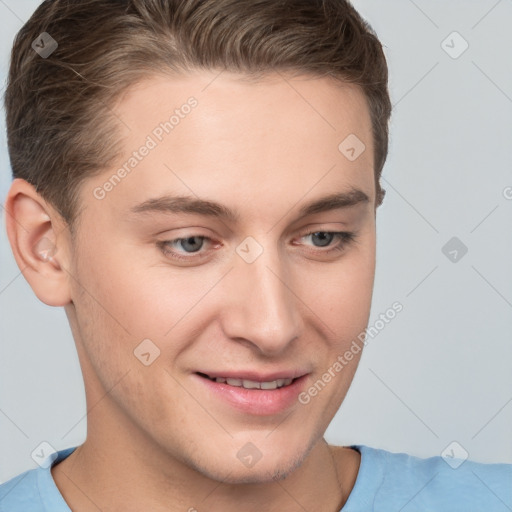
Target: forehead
column 269, row 102
column 229, row 136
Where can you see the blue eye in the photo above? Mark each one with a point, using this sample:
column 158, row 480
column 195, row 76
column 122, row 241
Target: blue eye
column 193, row 244
column 326, row 240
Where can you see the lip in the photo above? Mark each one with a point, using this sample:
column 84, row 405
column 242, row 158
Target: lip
column 256, row 376
column 258, row 402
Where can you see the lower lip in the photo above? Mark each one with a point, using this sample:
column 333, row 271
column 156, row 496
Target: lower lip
column 261, row 402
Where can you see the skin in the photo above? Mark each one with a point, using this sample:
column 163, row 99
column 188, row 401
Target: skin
column 155, row 439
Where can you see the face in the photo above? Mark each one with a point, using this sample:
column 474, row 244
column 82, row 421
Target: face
column 255, row 285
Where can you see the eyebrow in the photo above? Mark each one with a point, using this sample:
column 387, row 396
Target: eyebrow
column 191, row 205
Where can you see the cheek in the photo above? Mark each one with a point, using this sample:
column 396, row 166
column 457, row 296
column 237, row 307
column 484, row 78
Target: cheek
column 136, row 297
column 341, row 293
column 113, row 320
column 106, row 298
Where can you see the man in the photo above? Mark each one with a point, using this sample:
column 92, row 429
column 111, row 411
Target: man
column 196, row 183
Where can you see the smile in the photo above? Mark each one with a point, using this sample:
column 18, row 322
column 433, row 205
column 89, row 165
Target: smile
column 274, row 394
column 250, row 384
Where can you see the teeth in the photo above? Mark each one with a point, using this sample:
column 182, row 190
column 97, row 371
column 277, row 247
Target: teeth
column 251, row 384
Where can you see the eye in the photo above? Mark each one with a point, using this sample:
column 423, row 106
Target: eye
column 193, row 244
column 324, row 238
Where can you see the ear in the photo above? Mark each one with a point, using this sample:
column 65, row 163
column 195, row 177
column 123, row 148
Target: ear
column 39, row 239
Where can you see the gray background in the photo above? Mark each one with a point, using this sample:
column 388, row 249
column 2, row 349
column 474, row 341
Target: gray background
column 441, row 370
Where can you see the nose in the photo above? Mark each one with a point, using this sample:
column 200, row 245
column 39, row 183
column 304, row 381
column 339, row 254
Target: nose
column 262, row 309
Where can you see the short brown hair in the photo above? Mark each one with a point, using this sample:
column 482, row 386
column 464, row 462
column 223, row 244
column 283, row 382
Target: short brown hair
column 60, row 127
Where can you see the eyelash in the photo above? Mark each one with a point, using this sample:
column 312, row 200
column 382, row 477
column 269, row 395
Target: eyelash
column 346, row 238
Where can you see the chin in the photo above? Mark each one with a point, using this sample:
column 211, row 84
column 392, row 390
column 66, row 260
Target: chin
column 263, row 475
column 232, row 471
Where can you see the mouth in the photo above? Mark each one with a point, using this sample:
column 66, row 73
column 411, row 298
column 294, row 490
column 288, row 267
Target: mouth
column 260, row 395
column 251, row 384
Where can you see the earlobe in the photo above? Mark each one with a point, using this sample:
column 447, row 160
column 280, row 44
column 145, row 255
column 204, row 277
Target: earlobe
column 39, row 242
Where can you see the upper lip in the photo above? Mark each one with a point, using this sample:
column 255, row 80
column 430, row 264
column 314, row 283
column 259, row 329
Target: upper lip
column 254, row 375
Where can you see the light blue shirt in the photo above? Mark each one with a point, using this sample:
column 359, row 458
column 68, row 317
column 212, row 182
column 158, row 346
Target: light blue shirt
column 386, row 481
